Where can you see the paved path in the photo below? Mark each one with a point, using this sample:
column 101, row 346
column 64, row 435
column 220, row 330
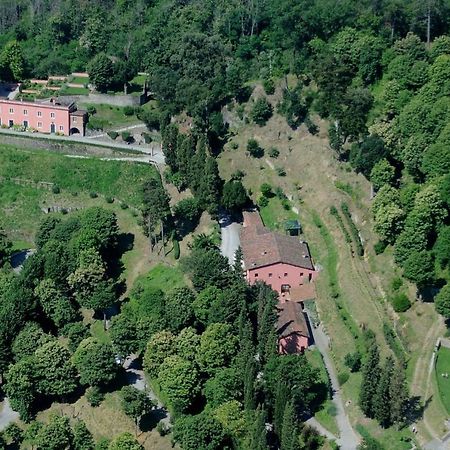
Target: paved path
column 230, row 240
column 136, row 378
column 154, row 152
column 348, row 439
column 7, row 415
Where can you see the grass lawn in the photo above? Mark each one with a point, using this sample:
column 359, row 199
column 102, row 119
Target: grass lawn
column 74, row 91
column 327, row 417
column 110, row 178
column 107, row 421
column 443, row 367
column 79, row 80
column 112, row 117
column 163, row 277
column 274, row 215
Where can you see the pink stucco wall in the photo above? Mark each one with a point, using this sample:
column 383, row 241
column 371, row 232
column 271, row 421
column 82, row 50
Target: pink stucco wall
column 278, row 274
column 294, row 343
column 36, row 115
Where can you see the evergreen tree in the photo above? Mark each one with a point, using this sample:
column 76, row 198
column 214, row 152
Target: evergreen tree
column 249, row 383
column 169, row 136
column 382, row 400
column 398, row 393
column 370, row 378
column 257, row 439
column 282, row 397
column 210, row 187
column 289, row 433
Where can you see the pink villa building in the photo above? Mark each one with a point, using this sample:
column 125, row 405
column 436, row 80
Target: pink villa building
column 48, row 116
column 284, row 263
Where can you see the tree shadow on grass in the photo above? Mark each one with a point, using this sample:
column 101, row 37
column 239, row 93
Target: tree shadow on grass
column 150, row 421
column 415, row 408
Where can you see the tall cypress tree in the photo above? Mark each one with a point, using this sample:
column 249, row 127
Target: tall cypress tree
column 382, row 400
column 185, row 155
column 370, row 379
column 249, row 384
column 169, row 136
column 210, row 187
column 398, row 393
column 281, row 399
column 289, row 431
column 257, row 438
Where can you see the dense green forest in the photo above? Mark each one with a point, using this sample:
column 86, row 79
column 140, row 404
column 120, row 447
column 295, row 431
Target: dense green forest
column 377, row 70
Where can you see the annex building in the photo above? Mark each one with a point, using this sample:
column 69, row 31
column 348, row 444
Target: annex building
column 48, row 116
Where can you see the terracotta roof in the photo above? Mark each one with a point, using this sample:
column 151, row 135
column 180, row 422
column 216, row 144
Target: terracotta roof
column 291, row 320
column 263, row 247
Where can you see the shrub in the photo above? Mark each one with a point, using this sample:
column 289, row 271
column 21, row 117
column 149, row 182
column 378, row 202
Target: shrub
column 93, row 194
column 262, row 111
column 343, row 378
column 94, row 396
column 353, row 230
column 396, row 283
column 91, row 110
column 238, row 175
column 162, row 429
column 56, row 189
column 269, row 86
column 113, row 135
column 278, row 191
column 234, row 145
column 353, row 361
column 274, row 152
column 126, row 136
column 128, row 110
column 379, row 247
column 263, row 201
column 109, row 199
column 176, row 248
column 285, row 204
column 280, row 171
column 147, row 138
column 123, row 206
column 266, row 190
column 400, row 302
column 311, row 126
column 254, row 149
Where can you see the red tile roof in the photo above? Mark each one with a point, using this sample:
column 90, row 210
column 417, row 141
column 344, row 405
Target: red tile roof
column 291, row 320
column 263, row 247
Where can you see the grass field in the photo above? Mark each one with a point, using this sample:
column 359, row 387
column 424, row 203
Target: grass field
column 443, row 367
column 74, row 91
column 163, row 277
column 112, row 117
column 79, row 80
column 274, row 215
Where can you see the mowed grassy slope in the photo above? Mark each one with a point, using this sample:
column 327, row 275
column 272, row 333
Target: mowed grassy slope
column 443, row 368
column 110, row 178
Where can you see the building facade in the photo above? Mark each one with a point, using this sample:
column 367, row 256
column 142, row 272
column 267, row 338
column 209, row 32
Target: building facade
column 43, row 116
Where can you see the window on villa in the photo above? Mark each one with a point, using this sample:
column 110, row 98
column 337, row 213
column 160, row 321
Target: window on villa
column 39, row 124
column 61, row 128
column 301, row 274
column 285, row 287
column 39, row 113
column 256, row 275
column 270, row 274
column 52, row 115
column 11, row 110
column 25, row 112
column 285, row 274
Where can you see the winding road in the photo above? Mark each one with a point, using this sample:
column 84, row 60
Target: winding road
column 348, row 439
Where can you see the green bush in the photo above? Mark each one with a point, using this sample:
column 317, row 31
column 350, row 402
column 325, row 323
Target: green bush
column 266, row 190
column 396, row 283
column 176, row 248
column 262, row 111
column 353, row 361
column 343, row 378
column 254, row 149
column 126, row 136
column 56, row 189
column 96, row 123
column 400, row 302
column 280, row 171
column 286, row 204
column 147, row 137
column 91, row 110
column 353, row 230
column 109, row 199
column 311, row 126
column 379, row 247
column 128, row 110
column 269, row 86
column 94, row 396
column 93, row 194
column 263, row 201
column 123, row 206
column 113, row 135
column 234, row 145
column 274, row 152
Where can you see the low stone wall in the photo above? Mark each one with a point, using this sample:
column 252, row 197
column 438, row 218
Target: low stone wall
column 104, row 99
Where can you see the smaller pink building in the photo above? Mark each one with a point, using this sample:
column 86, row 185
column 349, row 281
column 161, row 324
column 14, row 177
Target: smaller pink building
column 48, row 116
column 292, row 330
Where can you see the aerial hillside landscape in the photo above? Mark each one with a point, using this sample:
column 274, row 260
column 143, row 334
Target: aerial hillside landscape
column 224, row 225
